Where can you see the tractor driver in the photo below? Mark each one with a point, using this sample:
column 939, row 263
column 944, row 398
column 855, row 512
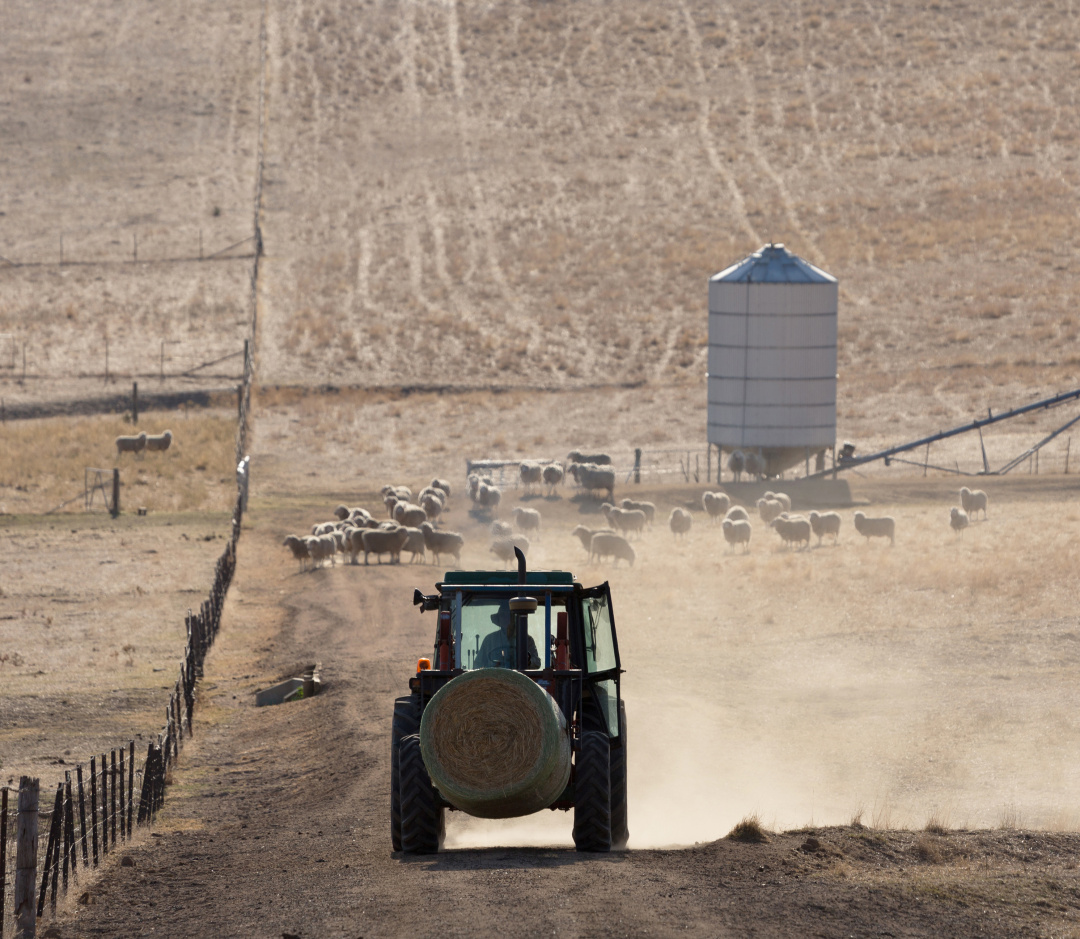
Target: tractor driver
column 499, row 646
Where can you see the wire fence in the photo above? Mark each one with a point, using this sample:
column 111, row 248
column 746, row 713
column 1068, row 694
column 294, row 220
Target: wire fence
column 182, row 244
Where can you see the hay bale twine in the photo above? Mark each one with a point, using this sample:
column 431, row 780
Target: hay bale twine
column 495, row 744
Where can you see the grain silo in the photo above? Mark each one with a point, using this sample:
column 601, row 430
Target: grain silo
column 772, row 358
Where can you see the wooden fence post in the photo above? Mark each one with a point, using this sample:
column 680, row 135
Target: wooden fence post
column 69, row 831
column 82, row 817
column 3, row 854
column 135, row 404
column 123, row 828
column 131, row 783
column 112, row 793
column 115, row 492
column 57, row 829
column 104, row 806
column 93, row 807
column 26, row 859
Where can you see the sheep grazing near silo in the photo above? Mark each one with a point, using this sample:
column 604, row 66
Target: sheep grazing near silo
column 608, row 544
column 503, row 548
column 958, row 520
column 782, row 497
column 553, row 476
column 736, row 462
column 527, row 520
column 442, row 542
column 131, row 443
column 680, row 521
column 159, row 442
column 754, row 465
column 882, row 527
column 769, row 509
column 383, row 541
column 597, row 459
column 531, row 474
column 737, row 531
column 973, row 501
column 585, row 535
column 825, row 523
column 715, row 505
column 590, row 476
column 299, row 550
column 737, row 514
column 792, row 529
column 647, row 507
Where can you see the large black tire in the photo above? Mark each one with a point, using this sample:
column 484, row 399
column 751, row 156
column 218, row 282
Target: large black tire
column 423, row 822
column 406, row 722
column 592, row 793
column 620, row 827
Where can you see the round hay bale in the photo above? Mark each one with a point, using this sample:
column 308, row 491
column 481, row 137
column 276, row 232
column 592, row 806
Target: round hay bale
column 495, row 744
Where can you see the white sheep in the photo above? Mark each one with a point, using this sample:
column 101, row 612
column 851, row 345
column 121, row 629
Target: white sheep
column 415, row 545
column 592, row 476
column 131, row 444
column 715, row 504
column 380, row 541
column 159, row 442
column 432, row 504
column 958, row 520
column 443, row 485
column 680, row 521
column 585, row 535
column 769, row 509
column 442, row 542
column 531, row 473
column 503, row 548
column 626, row 520
column 737, row 514
column 321, row 547
column 782, row 497
column 409, row 515
column 883, row 527
column 737, row 532
column 608, row 544
column 501, row 529
column 598, row 459
column 489, row 497
column 647, row 507
column 553, row 476
column 792, row 529
column 324, row 528
column 299, row 550
column 754, row 464
column 527, row 520
column 825, row 523
column 973, row 501
column 736, row 463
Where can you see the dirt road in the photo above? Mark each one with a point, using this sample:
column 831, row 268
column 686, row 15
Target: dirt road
column 277, row 823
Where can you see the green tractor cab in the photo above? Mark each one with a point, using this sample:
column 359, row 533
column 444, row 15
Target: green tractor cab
column 518, row 709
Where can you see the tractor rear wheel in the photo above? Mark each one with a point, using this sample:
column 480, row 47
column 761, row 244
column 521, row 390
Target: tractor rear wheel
column 620, row 829
column 423, row 821
column 592, row 793
column 406, row 721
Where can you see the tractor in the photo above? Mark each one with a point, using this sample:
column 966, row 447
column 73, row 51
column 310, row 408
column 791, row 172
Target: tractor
column 519, row 709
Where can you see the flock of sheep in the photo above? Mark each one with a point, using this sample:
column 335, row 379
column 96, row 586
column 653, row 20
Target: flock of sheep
column 137, row 443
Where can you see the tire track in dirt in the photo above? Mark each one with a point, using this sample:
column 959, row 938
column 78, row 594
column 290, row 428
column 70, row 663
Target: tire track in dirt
column 705, row 134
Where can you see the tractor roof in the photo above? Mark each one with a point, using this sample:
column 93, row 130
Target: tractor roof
column 509, row 578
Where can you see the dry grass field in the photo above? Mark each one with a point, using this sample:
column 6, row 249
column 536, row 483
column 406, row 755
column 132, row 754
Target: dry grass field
column 487, row 231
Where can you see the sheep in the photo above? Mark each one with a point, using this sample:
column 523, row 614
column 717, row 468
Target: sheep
column 384, row 542
column 390, row 501
column 737, row 532
column 414, row 544
column 323, row 528
column 679, row 521
column 754, row 464
column 585, row 535
column 129, row 444
column 591, row 476
column 531, row 473
column 793, row 529
column 359, row 516
column 715, row 505
column 597, row 459
column 783, row 498
column 737, row 514
column 432, row 505
column 503, row 548
column 553, row 475
column 404, row 493
column 489, row 497
column 159, row 442
column 958, row 519
column 769, row 509
column 441, row 484
column 647, row 507
column 736, row 463
column 299, row 550
column 883, row 527
column 442, row 542
column 825, row 523
column 321, row 547
column 626, row 520
column 607, row 544
column 342, row 512
column 409, row 515
column 973, row 500
column 527, row 519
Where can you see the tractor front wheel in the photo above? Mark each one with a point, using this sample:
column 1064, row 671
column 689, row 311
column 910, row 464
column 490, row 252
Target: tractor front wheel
column 592, row 793
column 423, row 820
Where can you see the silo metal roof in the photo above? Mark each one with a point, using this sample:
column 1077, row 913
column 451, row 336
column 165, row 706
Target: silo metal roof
column 774, row 264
